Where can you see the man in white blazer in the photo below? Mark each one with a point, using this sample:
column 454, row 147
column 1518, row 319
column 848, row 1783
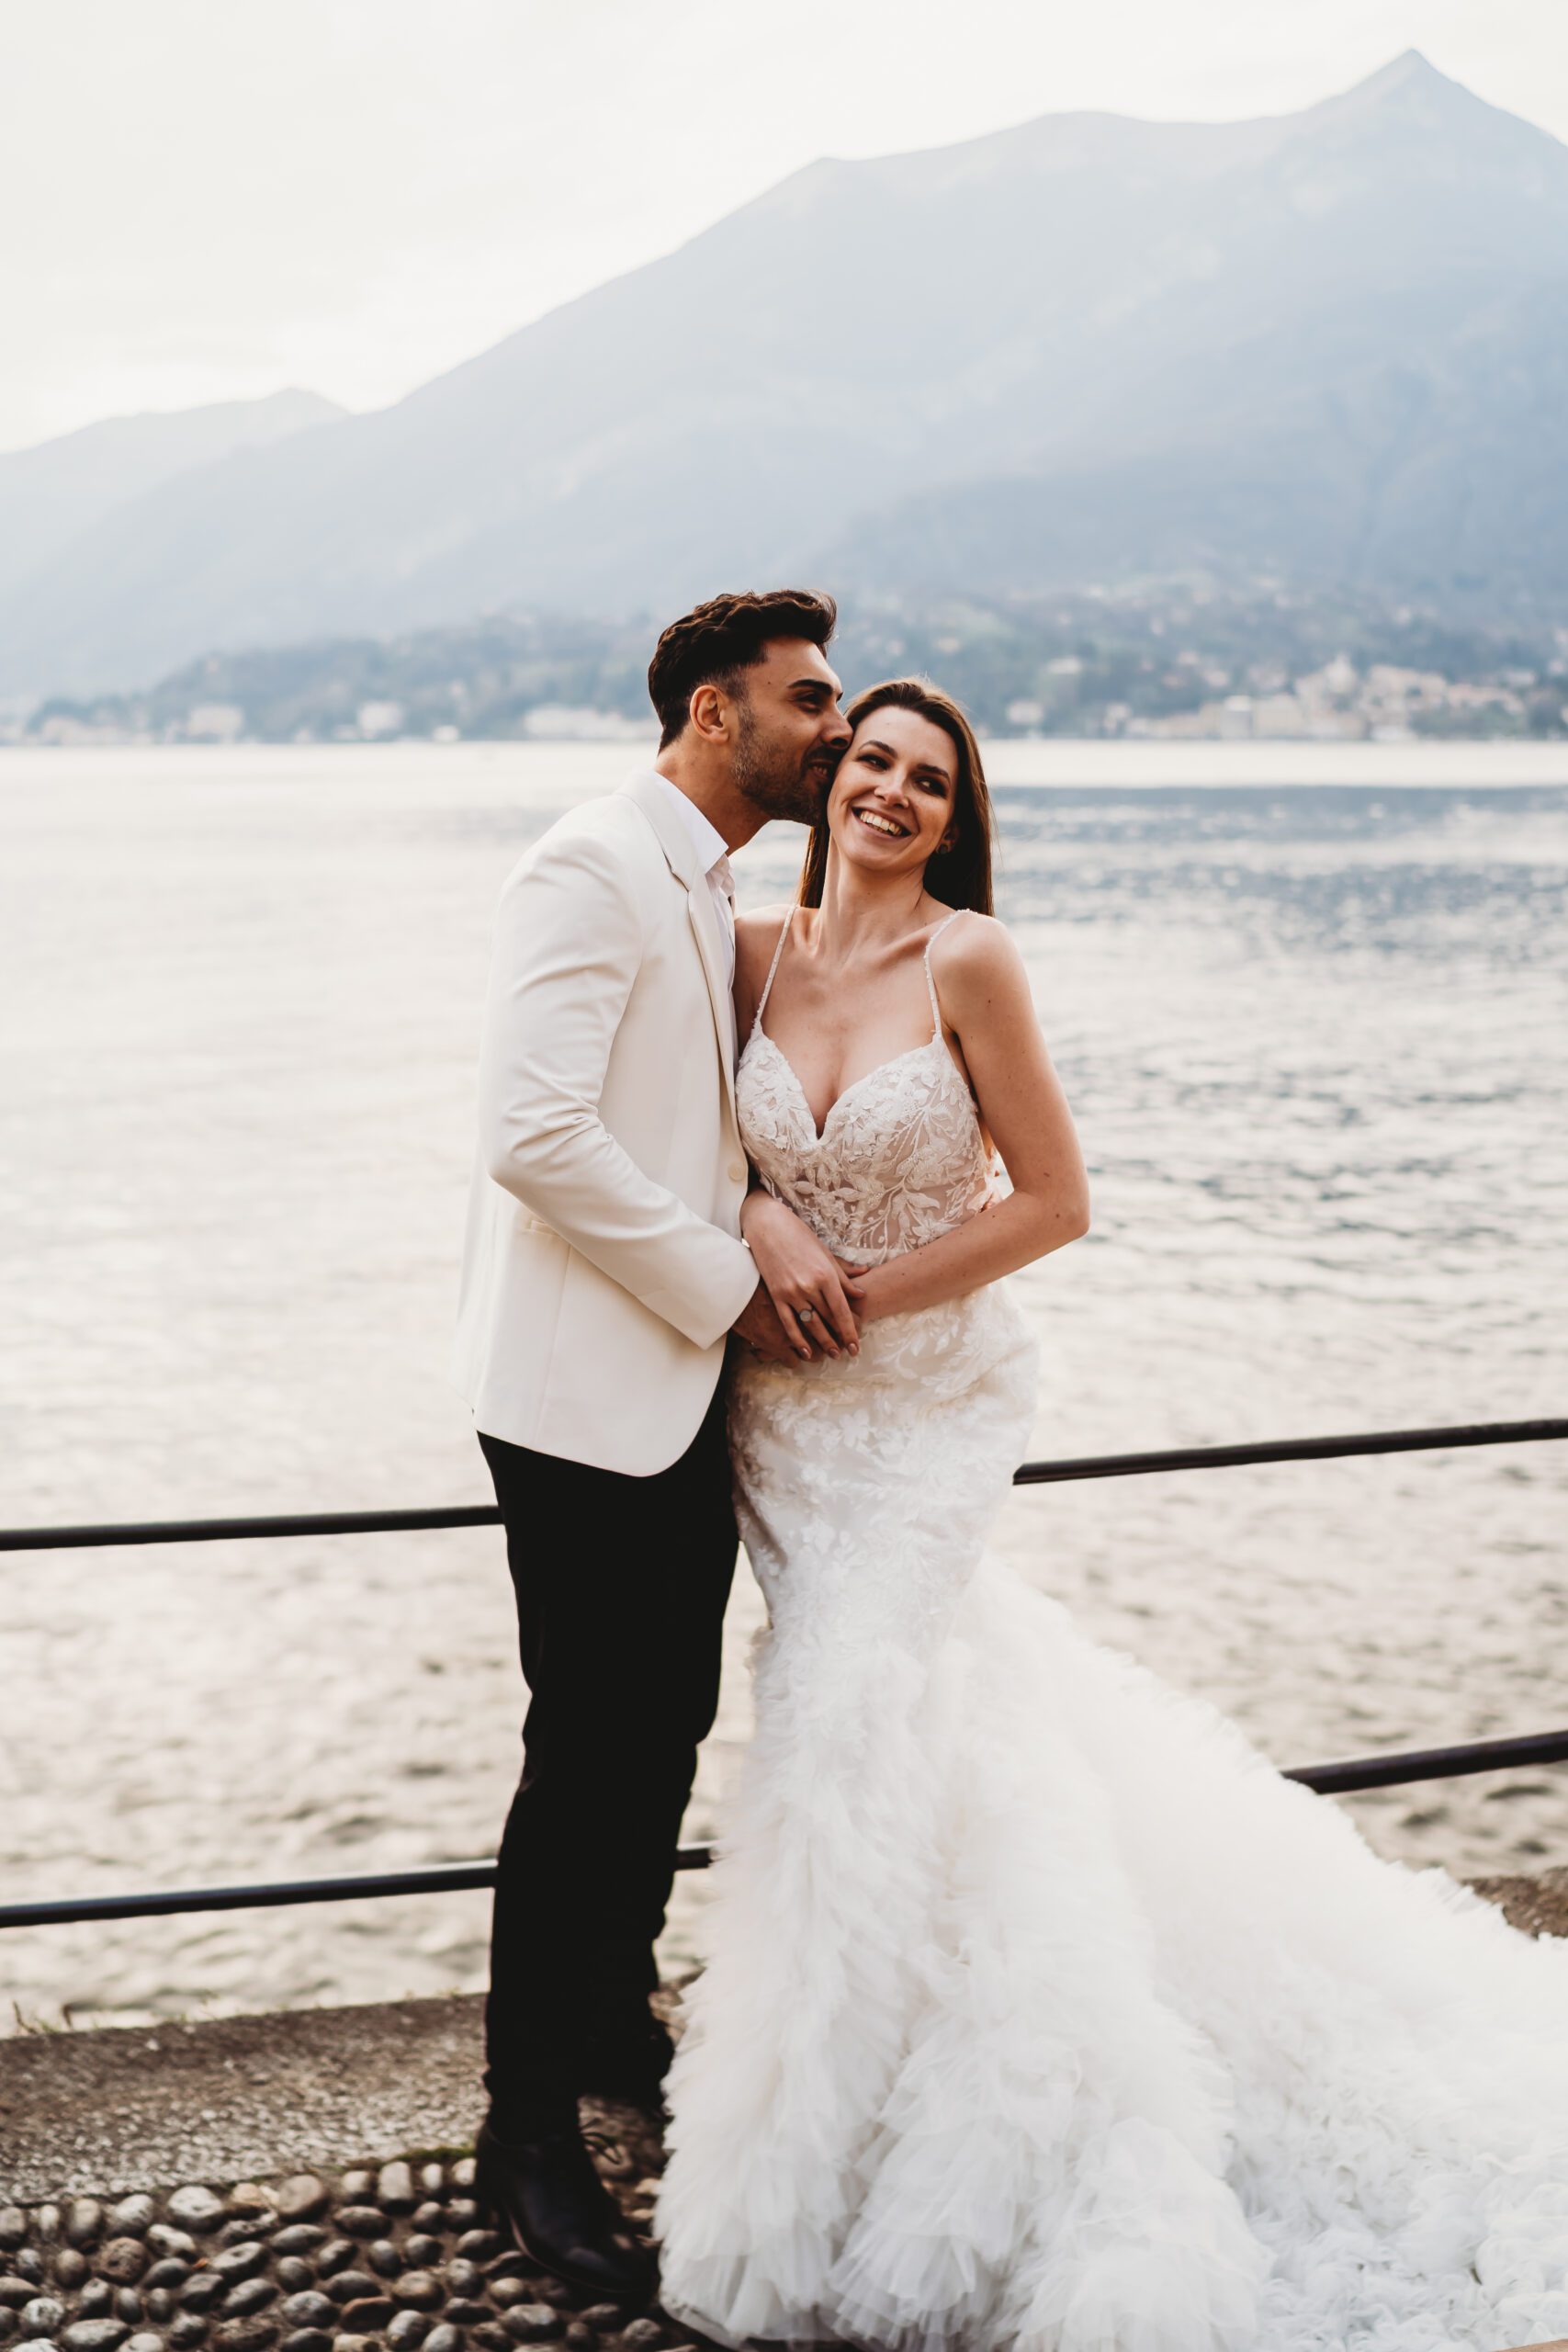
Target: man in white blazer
column 602, row 1274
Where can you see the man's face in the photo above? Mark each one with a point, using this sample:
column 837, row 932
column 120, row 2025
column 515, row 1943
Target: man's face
column 792, row 733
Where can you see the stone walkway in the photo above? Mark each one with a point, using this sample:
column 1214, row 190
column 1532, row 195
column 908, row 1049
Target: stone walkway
column 119, row 2108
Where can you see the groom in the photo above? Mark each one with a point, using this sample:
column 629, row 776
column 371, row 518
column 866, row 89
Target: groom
column 601, row 1276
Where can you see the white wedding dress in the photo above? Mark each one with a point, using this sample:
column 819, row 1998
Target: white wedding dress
column 1039, row 2010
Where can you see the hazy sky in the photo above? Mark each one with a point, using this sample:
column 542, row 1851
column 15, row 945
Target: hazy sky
column 209, row 199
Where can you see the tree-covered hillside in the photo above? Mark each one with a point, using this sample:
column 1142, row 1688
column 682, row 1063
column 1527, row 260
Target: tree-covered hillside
column 1172, row 657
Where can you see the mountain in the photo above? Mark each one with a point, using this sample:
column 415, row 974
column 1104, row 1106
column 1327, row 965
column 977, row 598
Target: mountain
column 1348, row 360
column 53, row 493
column 1333, row 343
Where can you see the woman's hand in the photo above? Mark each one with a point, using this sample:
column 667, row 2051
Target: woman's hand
column 801, row 1274
column 867, row 1308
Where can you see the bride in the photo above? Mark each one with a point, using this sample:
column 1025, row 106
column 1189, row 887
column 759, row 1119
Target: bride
column 1039, row 2010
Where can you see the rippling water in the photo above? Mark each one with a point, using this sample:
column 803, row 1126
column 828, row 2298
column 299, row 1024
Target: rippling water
column 1314, row 1037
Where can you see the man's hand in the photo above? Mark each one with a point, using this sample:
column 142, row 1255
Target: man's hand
column 759, row 1328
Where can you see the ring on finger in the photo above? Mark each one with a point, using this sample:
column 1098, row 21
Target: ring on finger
column 806, row 1314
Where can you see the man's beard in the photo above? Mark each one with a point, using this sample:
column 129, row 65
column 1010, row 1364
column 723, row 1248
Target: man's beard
column 777, row 783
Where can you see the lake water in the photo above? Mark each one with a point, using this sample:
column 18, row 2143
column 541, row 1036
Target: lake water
column 1309, row 1004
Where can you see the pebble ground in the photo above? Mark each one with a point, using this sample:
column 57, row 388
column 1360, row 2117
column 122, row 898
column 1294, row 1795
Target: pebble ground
column 402, row 2255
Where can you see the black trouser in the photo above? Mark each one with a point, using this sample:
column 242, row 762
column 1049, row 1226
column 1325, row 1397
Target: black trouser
column 621, row 1588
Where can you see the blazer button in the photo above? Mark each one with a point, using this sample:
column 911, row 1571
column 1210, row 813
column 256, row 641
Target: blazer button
column 737, row 1172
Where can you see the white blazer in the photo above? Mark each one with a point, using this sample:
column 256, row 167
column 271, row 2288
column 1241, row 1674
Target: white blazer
column 603, row 1265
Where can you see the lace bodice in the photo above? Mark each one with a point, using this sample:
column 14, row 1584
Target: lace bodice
column 900, row 1158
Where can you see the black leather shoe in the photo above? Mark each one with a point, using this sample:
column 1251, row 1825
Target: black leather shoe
column 545, row 2193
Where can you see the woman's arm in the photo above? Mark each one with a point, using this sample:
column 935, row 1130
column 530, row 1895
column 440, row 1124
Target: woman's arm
column 985, row 1003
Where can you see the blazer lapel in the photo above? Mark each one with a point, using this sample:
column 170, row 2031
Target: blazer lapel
column 682, row 855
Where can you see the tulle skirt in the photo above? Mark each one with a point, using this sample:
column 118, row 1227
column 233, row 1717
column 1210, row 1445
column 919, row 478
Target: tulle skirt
column 1039, row 2010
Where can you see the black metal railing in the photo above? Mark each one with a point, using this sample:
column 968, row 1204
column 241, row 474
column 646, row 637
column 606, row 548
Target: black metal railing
column 1354, row 1772
column 111, row 1532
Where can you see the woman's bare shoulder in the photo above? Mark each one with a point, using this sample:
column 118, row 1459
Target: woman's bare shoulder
column 976, row 943
column 974, row 961
column 757, row 936
column 763, row 922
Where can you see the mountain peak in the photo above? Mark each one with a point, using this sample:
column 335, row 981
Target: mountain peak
column 1410, row 98
column 1407, row 82
column 1410, row 65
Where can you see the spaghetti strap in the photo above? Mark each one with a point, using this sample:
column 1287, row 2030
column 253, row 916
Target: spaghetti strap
column 773, row 967
column 931, row 984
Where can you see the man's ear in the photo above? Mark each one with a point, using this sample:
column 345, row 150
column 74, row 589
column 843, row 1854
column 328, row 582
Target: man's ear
column 708, row 713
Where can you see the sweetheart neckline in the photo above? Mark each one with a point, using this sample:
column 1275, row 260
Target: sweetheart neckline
column 819, row 1133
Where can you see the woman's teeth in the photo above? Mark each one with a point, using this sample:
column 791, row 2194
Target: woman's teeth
column 880, row 824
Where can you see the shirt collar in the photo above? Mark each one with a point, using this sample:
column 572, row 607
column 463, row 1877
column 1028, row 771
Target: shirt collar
column 705, row 837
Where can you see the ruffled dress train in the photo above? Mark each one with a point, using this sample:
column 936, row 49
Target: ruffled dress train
column 1040, row 2011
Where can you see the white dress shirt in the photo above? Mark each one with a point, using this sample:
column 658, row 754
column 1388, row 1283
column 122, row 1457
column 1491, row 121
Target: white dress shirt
column 711, row 847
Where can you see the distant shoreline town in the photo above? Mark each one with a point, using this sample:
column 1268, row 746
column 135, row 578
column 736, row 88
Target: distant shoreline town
column 1155, row 662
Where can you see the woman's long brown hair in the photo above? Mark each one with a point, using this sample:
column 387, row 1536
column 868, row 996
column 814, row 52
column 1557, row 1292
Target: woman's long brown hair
column 959, row 876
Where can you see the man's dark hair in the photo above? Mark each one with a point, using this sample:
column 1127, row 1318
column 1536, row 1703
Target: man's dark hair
column 711, row 645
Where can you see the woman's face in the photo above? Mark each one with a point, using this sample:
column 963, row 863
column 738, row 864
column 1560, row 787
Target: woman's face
column 892, row 804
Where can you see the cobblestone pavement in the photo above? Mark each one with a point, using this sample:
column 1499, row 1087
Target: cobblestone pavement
column 399, row 2255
